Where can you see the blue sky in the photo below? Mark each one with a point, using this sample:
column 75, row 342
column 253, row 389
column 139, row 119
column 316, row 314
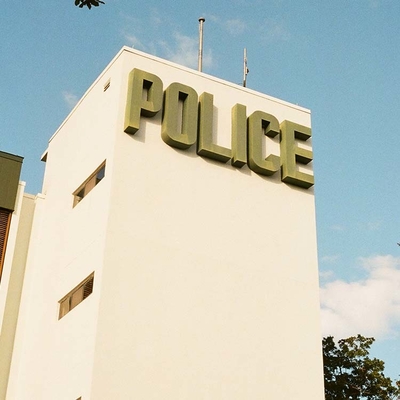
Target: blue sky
column 340, row 59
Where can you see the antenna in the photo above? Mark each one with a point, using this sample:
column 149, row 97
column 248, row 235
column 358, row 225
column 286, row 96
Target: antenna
column 201, row 22
column 245, row 69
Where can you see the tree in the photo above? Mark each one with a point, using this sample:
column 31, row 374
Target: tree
column 88, row 3
column 350, row 374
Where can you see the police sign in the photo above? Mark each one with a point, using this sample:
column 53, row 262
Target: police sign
column 188, row 120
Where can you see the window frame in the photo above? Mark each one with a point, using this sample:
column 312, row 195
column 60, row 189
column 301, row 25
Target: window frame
column 89, row 184
column 73, row 298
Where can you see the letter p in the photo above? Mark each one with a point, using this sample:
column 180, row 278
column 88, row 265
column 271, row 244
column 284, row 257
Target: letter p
column 145, row 95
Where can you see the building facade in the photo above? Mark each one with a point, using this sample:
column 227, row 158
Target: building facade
column 172, row 252
column 16, row 213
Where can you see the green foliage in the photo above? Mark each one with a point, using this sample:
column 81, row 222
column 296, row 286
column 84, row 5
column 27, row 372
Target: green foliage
column 350, row 374
column 88, row 3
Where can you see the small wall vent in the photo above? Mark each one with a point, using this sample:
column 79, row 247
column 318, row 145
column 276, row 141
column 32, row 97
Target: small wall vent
column 76, row 296
column 107, row 85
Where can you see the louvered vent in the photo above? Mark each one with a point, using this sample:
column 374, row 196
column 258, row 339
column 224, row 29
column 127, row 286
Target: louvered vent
column 76, row 296
column 88, row 288
column 107, row 85
column 5, row 218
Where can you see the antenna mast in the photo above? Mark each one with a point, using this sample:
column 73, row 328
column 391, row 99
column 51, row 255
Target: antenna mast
column 201, row 22
column 245, row 69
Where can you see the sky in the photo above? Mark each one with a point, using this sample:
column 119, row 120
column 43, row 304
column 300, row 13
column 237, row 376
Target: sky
column 340, row 59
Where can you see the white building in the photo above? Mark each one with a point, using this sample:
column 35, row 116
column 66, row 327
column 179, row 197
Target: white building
column 173, row 248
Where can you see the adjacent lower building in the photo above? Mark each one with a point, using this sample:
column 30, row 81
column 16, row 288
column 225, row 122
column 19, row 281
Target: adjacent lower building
column 172, row 252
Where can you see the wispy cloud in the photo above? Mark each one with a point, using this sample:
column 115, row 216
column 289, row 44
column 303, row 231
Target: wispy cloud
column 133, row 41
column 129, row 18
column 330, row 259
column 70, row 98
column 181, row 49
column 276, row 31
column 235, row 26
column 370, row 306
column 184, row 51
column 156, row 18
column 136, row 31
column 326, row 274
column 337, row 227
column 373, row 225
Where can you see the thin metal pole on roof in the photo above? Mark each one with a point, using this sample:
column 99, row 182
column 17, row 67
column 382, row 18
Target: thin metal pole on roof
column 245, row 69
column 201, row 22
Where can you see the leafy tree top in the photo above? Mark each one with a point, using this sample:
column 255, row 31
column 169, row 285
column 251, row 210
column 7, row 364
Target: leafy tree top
column 88, row 3
column 350, row 374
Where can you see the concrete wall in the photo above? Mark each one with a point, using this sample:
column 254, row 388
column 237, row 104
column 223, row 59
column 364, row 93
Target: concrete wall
column 210, row 285
column 206, row 282
column 67, row 245
column 13, row 280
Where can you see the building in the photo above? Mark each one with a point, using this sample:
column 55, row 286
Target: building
column 16, row 214
column 172, row 253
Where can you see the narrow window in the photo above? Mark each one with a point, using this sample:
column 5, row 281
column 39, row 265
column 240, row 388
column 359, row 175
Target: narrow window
column 76, row 296
column 5, row 219
column 89, row 184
